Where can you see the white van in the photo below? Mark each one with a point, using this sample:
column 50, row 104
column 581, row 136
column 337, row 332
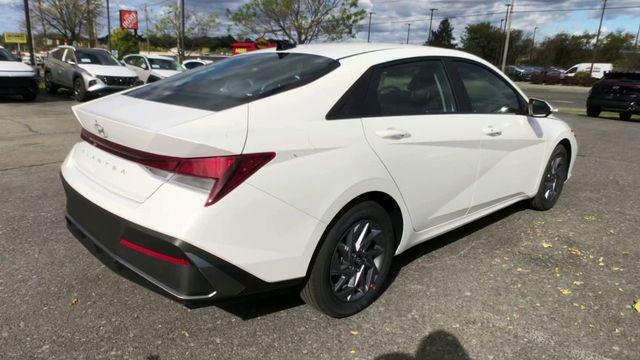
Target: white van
column 598, row 69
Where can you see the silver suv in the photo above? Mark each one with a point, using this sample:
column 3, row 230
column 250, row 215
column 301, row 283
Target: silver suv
column 88, row 72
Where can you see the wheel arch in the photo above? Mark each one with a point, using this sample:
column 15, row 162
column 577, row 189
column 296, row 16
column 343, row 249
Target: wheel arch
column 393, row 207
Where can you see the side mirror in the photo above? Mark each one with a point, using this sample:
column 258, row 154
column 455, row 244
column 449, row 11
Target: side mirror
column 540, row 108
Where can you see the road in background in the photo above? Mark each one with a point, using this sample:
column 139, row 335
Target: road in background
column 519, row 284
column 562, row 97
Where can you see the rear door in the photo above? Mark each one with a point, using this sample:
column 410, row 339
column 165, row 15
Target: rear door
column 512, row 142
column 68, row 67
column 432, row 153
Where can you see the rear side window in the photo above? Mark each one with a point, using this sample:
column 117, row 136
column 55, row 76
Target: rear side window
column 57, row 54
column 487, row 92
column 416, row 88
column 237, row 80
column 192, row 65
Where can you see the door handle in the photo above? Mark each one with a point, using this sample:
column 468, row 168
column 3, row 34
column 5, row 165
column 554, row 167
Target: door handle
column 491, row 131
column 392, row 133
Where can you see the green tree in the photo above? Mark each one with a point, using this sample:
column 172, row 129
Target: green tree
column 124, row 42
column 299, row 21
column 564, row 50
column 443, row 36
column 486, row 41
column 613, row 45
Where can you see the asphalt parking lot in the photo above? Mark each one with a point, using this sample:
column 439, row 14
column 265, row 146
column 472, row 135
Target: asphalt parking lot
column 519, row 284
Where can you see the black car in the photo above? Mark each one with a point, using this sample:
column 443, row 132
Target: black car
column 617, row 92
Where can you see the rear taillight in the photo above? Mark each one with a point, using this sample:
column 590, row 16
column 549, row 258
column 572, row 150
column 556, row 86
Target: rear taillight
column 218, row 175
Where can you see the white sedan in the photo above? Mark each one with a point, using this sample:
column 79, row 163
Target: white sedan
column 309, row 165
column 151, row 68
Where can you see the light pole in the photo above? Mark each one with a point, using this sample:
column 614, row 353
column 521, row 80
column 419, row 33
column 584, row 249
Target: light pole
column 27, row 19
column 506, row 39
column 146, row 22
column 533, row 42
column 408, row 32
column 595, row 46
column 369, row 31
column 637, row 36
column 108, row 26
column 430, row 24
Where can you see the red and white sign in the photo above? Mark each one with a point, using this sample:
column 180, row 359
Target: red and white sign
column 129, row 19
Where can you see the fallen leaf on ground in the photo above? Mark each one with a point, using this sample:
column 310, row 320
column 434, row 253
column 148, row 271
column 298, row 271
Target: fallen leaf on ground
column 74, row 301
column 636, row 306
column 578, row 283
column 590, row 217
column 353, row 332
column 617, row 269
column 565, row 291
column 546, row 244
column 601, row 261
column 575, row 251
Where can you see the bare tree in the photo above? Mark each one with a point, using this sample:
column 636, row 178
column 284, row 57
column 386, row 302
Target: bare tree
column 70, row 18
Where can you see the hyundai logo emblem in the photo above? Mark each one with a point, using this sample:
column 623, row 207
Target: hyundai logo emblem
column 100, row 129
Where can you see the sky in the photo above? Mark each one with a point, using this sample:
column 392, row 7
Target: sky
column 391, row 17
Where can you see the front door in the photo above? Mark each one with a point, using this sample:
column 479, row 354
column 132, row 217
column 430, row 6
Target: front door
column 513, row 143
column 430, row 150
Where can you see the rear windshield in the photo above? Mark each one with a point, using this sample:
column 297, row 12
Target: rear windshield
column 6, row 55
column 94, row 56
column 237, row 80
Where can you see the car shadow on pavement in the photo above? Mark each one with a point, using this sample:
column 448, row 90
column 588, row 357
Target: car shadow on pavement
column 438, row 345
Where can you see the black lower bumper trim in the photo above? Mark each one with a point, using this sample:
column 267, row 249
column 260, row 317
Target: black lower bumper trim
column 206, row 277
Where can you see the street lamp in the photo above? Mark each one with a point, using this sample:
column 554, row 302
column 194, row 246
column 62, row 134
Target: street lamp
column 369, row 31
column 430, row 23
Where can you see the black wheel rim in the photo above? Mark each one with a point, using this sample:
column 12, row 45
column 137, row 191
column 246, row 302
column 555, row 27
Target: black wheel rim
column 357, row 261
column 555, row 177
column 76, row 88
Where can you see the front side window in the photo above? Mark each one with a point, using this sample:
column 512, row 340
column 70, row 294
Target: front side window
column 5, row 55
column 163, row 64
column 573, row 70
column 68, row 55
column 237, row 80
column 416, row 88
column 488, row 93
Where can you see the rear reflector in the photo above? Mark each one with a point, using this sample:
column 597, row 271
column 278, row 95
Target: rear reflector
column 154, row 254
column 225, row 172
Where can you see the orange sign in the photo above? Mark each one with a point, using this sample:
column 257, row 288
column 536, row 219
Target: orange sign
column 129, row 19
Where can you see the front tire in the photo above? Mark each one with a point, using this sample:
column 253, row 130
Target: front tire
column 48, row 83
column 553, row 179
column 353, row 262
column 79, row 91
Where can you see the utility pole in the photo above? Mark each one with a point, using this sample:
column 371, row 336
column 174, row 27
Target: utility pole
column 507, row 37
column 637, row 36
column 533, row 42
column 27, row 19
column 180, row 36
column 108, row 26
column 408, row 31
column 595, row 46
column 430, row 24
column 44, row 28
column 146, row 22
column 369, row 31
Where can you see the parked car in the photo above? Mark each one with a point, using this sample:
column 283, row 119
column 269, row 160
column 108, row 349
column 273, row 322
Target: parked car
column 87, row 72
column 617, row 92
column 599, row 69
column 310, row 165
column 523, row 73
column 17, row 78
column 151, row 68
column 194, row 63
column 26, row 58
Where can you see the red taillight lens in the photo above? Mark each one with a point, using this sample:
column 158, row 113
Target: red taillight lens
column 227, row 172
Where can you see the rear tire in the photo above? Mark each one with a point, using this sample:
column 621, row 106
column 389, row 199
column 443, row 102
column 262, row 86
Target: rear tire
column 352, row 265
column 555, row 174
column 593, row 111
column 79, row 91
column 625, row 116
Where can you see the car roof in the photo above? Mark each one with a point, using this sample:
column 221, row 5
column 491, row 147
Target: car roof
column 339, row 51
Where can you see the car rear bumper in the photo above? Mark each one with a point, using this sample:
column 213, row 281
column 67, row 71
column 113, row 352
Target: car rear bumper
column 18, row 85
column 175, row 267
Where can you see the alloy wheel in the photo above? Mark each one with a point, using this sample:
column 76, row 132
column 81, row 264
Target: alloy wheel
column 555, row 176
column 356, row 261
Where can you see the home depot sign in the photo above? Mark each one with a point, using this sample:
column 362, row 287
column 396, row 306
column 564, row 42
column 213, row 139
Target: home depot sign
column 129, row 19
